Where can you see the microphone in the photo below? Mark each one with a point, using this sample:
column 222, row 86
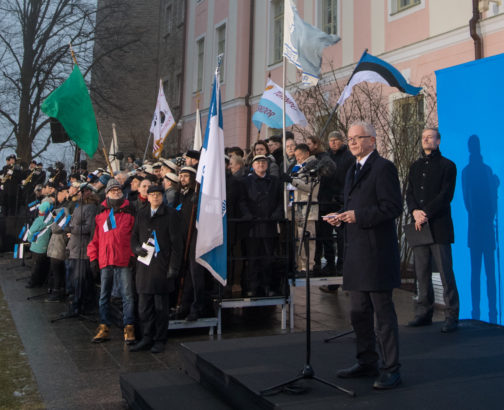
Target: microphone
column 119, row 155
column 325, row 167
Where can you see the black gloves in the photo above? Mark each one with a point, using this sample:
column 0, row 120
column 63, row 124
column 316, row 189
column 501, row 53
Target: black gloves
column 141, row 251
column 285, row 178
column 95, row 269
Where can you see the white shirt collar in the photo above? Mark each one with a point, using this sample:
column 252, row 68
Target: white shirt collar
column 363, row 160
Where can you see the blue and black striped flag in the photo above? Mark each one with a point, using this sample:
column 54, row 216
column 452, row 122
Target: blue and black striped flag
column 110, row 222
column 374, row 70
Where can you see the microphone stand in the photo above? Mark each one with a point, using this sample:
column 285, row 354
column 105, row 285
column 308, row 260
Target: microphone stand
column 307, row 372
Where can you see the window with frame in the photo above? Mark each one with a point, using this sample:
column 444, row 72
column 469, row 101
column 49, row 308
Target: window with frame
column 329, row 16
column 277, row 20
column 200, row 53
column 221, row 48
column 400, row 5
column 409, row 116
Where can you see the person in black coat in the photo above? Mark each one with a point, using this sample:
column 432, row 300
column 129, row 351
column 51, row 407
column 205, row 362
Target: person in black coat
column 11, row 177
column 261, row 203
column 372, row 201
column 431, row 185
column 155, row 281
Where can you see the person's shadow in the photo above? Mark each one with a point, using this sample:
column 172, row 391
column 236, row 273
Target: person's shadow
column 479, row 187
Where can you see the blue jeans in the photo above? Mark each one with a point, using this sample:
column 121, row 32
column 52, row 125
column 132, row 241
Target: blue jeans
column 125, row 278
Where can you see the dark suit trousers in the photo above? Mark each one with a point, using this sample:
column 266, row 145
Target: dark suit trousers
column 364, row 305
column 153, row 311
column 441, row 253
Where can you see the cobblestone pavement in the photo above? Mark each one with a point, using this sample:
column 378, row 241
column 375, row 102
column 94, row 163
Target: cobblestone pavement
column 73, row 373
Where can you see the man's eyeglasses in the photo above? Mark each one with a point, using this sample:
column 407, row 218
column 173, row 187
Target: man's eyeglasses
column 352, row 139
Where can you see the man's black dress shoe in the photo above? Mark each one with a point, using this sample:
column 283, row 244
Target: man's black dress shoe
column 387, row 381
column 358, row 370
column 157, row 348
column 450, row 325
column 144, row 344
column 420, row 321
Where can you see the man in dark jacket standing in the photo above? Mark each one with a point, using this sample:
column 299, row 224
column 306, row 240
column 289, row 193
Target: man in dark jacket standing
column 262, row 201
column 431, row 184
column 372, row 201
column 156, row 227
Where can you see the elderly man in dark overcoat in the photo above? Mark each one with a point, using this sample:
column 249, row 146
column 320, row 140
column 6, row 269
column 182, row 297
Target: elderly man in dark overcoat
column 372, row 201
column 157, row 226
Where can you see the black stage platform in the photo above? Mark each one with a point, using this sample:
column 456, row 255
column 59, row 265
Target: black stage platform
column 461, row 370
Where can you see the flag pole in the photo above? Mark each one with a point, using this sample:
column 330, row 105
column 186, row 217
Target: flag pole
column 321, row 134
column 285, row 198
column 77, row 149
column 107, row 160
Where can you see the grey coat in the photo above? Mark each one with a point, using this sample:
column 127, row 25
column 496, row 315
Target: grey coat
column 56, row 248
column 81, row 228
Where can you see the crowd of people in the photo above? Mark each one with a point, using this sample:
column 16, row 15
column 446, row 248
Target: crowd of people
column 91, row 227
column 134, row 233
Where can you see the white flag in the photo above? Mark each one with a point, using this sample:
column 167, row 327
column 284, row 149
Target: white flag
column 162, row 123
column 197, row 132
column 304, row 44
column 114, row 147
column 211, row 243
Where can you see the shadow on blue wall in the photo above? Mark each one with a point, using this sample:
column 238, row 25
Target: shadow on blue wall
column 479, row 187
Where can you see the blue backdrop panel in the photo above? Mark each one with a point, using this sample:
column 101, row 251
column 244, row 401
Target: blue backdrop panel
column 471, row 111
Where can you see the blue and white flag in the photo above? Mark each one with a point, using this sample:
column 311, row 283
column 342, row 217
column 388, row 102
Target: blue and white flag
column 304, row 44
column 110, row 222
column 269, row 109
column 211, row 243
column 371, row 69
column 157, row 249
column 18, row 251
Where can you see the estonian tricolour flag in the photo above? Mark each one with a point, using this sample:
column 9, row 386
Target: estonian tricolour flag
column 211, row 243
column 18, row 251
column 60, row 217
column 64, row 221
column 373, row 70
column 157, row 249
column 110, row 222
column 34, row 205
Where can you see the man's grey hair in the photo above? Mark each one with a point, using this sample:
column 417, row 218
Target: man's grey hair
column 368, row 128
column 336, row 134
column 436, row 130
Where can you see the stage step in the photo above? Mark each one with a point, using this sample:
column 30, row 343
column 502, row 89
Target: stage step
column 167, row 389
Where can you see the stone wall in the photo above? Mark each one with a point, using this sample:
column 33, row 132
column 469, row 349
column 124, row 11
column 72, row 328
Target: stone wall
column 124, row 84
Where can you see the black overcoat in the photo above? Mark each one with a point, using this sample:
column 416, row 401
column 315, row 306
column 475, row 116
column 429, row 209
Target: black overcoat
column 431, row 184
column 371, row 258
column 261, row 199
column 152, row 279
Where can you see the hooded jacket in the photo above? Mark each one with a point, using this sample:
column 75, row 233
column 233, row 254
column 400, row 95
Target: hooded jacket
column 112, row 248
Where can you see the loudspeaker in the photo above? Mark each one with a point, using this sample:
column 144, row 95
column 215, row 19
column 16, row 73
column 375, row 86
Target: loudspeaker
column 58, row 133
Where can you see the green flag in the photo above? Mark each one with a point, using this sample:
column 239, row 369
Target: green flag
column 71, row 105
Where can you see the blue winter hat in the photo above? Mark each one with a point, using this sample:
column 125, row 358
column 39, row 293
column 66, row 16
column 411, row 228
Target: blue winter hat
column 104, row 179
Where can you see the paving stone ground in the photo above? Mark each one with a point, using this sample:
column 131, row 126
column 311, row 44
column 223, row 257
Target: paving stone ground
column 72, row 373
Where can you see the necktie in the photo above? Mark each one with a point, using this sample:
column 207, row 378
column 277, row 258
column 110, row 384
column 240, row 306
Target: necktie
column 357, row 171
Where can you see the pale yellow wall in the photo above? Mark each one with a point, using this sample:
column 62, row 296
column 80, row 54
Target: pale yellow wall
column 446, row 15
column 377, row 26
column 347, row 31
